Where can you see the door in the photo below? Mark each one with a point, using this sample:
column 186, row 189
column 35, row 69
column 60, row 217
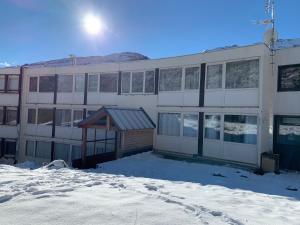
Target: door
column 287, row 141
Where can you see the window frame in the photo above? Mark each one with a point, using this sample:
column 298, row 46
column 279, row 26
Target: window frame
column 184, row 78
column 221, row 115
column 223, row 76
column 182, row 82
column 279, row 76
column 109, row 74
column 97, row 85
column 182, row 124
column 143, row 83
column 37, row 84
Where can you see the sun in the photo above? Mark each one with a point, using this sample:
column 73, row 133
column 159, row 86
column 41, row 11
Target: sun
column 93, row 25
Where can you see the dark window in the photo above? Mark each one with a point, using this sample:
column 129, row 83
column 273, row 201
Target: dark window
column 149, row 81
column 137, row 82
column 30, row 146
column 10, row 147
column 11, row 116
column 31, row 116
column 43, row 150
column 45, row 116
column 64, row 83
column 62, row 151
column 212, row 126
column 63, row 117
column 33, row 84
column 109, row 82
column 289, row 78
column 76, row 152
column 240, row 129
column 289, row 131
column 47, row 83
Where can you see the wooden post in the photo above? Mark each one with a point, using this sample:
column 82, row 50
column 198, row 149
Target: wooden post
column 83, row 155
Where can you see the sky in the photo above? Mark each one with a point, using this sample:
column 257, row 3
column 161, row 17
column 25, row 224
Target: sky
column 39, row 30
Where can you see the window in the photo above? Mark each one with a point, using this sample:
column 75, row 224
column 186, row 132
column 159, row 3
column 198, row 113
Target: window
column 289, row 131
column 289, row 78
column 61, row 151
column 10, row 147
column 30, row 145
column 192, row 75
column 33, row 84
column 43, row 150
column 64, row 83
column 212, row 124
column 31, row 118
column 13, row 83
column 170, row 79
column 63, row 117
column 45, row 116
column 1, row 114
column 190, row 125
column 242, row 74
column 169, row 124
column 137, row 82
column 2, row 82
column 149, row 81
column 93, row 83
column 125, row 81
column 79, row 83
column 214, row 76
column 47, row 84
column 11, row 116
column 77, row 117
column 109, row 82
column 76, row 152
column 240, row 129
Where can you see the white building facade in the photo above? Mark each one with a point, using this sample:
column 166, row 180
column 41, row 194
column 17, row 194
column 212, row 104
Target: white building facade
column 223, row 105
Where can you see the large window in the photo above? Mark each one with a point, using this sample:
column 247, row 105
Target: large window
column 11, row 116
column 64, row 83
column 33, row 84
column 242, row 74
column 76, row 152
column 149, row 81
column 240, row 129
column 125, row 81
column 169, row 124
column 190, row 125
column 212, row 125
column 47, row 84
column 289, row 131
column 170, row 79
column 109, row 82
column 214, row 76
column 43, row 150
column 289, row 78
column 45, row 116
column 61, row 151
column 63, row 117
column 13, row 83
column 77, row 117
column 137, row 82
column 192, row 75
column 93, row 83
column 31, row 118
column 30, row 146
column 10, row 147
column 79, row 83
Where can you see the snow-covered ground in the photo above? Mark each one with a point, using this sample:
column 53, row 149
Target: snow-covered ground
column 146, row 189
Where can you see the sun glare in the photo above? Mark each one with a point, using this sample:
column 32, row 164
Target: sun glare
column 93, row 25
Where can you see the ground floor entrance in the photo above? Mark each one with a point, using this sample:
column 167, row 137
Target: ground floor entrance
column 287, row 141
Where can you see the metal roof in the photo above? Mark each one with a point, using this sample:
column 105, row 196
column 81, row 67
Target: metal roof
column 124, row 118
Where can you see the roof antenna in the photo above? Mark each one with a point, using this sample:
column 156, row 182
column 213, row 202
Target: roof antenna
column 73, row 58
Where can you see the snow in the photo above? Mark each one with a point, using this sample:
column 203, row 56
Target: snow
column 149, row 190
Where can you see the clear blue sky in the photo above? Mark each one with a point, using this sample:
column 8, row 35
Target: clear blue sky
column 36, row 30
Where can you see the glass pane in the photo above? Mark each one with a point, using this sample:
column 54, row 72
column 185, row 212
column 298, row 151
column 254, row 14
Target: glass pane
column 240, row 129
column 214, row 76
column 109, row 82
column 77, row 117
column 190, row 125
column 10, row 147
column 61, row 151
column 65, row 83
column 125, row 82
column 79, row 83
column 93, row 83
column 149, row 81
column 289, row 131
column 170, row 79
column 45, row 116
column 242, row 74
column 212, row 126
column 33, row 84
column 192, row 78
column 13, row 83
column 43, row 150
column 30, row 148
column 2, row 82
column 76, row 152
column 63, row 117
column 47, row 83
column 169, row 124
column 1, row 115
column 31, row 116
column 137, row 82
column 289, row 78
column 11, row 116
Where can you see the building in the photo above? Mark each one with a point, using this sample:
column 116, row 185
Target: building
column 229, row 104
